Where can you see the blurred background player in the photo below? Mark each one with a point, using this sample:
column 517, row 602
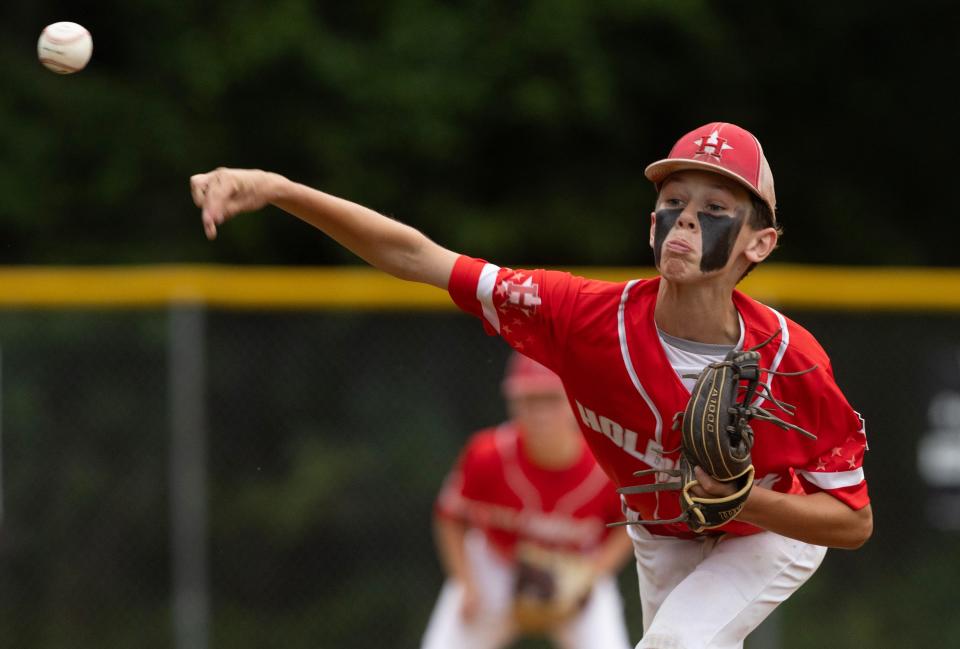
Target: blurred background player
column 521, row 530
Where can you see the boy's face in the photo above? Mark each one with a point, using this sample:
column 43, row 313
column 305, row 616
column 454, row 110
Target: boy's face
column 542, row 414
column 699, row 228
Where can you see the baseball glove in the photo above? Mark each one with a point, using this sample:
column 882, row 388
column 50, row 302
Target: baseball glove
column 716, row 436
column 550, row 588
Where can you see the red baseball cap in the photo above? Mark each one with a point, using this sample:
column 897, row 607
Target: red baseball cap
column 526, row 376
column 725, row 149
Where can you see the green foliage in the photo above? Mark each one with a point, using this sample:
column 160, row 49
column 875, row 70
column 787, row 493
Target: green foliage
column 514, row 131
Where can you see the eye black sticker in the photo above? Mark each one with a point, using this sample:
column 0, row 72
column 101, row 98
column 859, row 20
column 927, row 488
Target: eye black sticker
column 717, row 235
column 666, row 219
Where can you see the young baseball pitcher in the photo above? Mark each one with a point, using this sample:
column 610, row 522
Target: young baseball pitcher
column 730, row 545
column 521, row 527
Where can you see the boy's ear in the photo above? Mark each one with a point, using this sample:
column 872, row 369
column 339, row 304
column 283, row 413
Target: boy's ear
column 761, row 244
column 653, row 226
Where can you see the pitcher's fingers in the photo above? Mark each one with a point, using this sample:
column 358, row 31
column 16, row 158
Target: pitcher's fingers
column 209, row 222
column 198, row 188
column 209, row 229
column 705, row 484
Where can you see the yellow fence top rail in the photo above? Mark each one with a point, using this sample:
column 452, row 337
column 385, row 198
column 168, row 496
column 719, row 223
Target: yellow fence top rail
column 804, row 287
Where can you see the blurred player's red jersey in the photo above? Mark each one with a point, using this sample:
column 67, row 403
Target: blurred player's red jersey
column 495, row 488
column 601, row 338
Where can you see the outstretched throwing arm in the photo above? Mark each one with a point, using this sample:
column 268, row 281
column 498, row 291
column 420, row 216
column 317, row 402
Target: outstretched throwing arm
column 382, row 242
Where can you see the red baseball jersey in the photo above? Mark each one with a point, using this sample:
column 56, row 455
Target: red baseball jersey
column 495, row 488
column 601, row 338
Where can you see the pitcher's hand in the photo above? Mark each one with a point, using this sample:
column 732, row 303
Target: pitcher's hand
column 471, row 603
column 709, row 487
column 223, row 193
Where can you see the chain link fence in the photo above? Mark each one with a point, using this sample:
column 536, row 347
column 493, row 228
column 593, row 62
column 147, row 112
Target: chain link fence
column 197, row 478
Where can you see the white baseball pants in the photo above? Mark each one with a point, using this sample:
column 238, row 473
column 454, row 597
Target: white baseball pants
column 711, row 592
column 599, row 626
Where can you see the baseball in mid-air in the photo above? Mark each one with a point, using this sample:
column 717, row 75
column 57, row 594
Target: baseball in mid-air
column 64, row 47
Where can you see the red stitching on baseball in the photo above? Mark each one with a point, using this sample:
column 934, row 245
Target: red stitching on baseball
column 65, row 41
column 58, row 66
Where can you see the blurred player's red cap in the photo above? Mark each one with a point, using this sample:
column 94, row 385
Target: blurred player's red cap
column 725, row 149
column 526, row 376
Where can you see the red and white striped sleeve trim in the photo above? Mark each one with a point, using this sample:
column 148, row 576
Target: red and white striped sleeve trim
column 839, row 470
column 472, row 285
column 834, row 479
column 485, row 284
